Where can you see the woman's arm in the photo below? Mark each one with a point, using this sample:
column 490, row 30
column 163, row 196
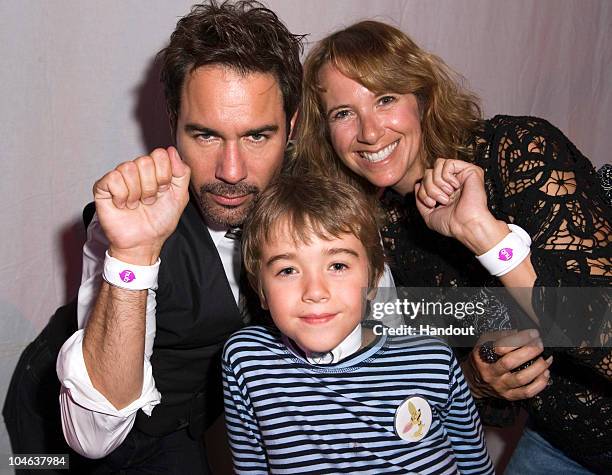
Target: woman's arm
column 542, row 183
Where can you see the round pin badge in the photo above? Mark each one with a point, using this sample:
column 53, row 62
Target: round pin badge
column 413, row 419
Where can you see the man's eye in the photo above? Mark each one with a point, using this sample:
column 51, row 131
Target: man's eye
column 205, row 137
column 338, row 266
column 258, row 137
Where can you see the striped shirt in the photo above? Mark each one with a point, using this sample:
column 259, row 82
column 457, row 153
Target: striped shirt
column 285, row 415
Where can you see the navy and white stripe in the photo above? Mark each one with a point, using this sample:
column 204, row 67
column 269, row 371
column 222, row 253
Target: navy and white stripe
column 285, row 415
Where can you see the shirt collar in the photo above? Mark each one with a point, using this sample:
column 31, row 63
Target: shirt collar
column 217, row 234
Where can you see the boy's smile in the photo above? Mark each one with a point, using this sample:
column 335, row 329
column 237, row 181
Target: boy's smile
column 318, row 318
column 315, row 290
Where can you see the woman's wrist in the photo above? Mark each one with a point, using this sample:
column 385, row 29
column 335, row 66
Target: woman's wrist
column 472, row 378
column 481, row 235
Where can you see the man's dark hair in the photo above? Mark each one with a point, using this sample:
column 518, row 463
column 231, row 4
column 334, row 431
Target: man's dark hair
column 242, row 35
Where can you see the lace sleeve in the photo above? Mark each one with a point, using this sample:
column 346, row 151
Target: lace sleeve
column 539, row 180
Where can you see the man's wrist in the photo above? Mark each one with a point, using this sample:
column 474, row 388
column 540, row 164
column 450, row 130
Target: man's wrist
column 141, row 256
column 130, row 276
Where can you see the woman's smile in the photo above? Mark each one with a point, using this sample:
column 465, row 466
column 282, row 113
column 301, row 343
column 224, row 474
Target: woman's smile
column 378, row 136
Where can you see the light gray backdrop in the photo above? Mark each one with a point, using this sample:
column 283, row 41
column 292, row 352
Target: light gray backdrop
column 78, row 95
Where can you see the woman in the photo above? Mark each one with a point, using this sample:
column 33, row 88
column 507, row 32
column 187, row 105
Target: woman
column 380, row 111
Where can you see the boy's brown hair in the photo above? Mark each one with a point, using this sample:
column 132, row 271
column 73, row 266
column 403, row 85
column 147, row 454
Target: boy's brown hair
column 312, row 204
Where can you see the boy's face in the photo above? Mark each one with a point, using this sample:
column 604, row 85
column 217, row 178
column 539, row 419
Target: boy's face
column 314, row 291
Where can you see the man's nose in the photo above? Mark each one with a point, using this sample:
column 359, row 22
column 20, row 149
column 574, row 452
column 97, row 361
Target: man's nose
column 370, row 129
column 231, row 164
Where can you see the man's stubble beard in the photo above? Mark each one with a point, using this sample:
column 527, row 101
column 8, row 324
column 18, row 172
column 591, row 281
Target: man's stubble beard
column 226, row 216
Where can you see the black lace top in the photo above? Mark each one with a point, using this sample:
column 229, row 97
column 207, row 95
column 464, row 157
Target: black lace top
column 536, row 178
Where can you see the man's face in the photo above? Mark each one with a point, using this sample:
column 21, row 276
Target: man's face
column 231, row 132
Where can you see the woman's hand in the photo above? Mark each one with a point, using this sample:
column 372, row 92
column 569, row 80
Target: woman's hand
column 498, row 379
column 452, row 200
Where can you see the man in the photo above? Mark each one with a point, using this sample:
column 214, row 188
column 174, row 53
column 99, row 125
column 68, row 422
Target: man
column 232, row 79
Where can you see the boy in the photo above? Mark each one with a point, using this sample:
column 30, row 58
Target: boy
column 321, row 393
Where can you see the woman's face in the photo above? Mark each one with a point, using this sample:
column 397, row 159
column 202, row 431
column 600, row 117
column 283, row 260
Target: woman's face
column 376, row 136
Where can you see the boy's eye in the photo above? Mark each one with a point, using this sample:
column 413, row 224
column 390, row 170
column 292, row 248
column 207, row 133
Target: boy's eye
column 286, row 271
column 338, row 266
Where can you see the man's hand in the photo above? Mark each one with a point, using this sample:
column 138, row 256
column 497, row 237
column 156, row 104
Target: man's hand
column 140, row 202
column 497, row 379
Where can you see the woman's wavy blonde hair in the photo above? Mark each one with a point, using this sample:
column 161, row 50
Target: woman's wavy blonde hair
column 384, row 59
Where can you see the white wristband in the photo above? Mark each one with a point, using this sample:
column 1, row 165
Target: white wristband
column 508, row 253
column 130, row 276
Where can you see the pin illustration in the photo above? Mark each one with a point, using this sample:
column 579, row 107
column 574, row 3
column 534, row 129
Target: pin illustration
column 413, row 419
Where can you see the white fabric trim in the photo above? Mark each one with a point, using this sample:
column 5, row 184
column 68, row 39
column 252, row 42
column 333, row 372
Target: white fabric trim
column 508, row 253
column 130, row 276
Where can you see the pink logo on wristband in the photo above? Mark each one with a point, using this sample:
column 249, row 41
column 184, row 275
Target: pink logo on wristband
column 127, row 276
column 505, row 254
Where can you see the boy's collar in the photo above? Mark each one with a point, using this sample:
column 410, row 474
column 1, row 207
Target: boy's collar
column 347, row 347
